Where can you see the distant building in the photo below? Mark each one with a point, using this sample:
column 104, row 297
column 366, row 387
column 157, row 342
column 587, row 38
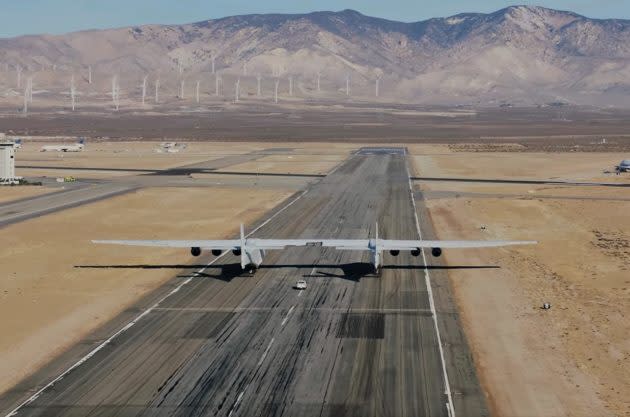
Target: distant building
column 7, row 164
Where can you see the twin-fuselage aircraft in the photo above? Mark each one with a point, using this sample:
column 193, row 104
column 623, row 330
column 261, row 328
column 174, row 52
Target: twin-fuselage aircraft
column 252, row 250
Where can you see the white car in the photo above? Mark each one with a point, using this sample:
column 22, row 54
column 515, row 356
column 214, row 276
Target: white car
column 300, row 285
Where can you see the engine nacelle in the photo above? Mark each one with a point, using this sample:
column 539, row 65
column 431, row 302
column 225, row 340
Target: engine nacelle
column 236, row 252
column 394, row 252
column 216, row 252
column 436, row 252
column 415, row 252
column 195, row 251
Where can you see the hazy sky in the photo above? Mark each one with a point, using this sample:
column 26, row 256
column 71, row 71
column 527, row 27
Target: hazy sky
column 19, row 17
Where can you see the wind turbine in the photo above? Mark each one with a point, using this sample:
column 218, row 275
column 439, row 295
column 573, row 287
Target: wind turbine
column 115, row 92
column 157, row 90
column 144, row 88
column 18, row 70
column 258, row 79
column 73, row 92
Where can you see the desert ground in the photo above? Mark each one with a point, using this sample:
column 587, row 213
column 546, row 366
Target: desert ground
column 571, row 360
column 16, row 193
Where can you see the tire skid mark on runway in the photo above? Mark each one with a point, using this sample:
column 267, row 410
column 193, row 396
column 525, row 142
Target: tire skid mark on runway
column 129, row 325
column 449, row 404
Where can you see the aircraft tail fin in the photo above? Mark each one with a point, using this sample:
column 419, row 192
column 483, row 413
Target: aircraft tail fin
column 243, row 251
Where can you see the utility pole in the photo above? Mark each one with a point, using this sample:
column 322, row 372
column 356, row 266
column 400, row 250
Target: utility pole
column 157, row 90
column 90, row 74
column 347, row 84
column 212, row 57
column 181, row 89
column 236, row 89
column 258, row 79
column 217, row 79
column 319, row 76
column 276, row 90
column 378, row 80
column 291, row 85
column 197, row 92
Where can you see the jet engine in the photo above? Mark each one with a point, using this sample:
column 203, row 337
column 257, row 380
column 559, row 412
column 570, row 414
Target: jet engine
column 195, row 251
column 394, row 252
column 436, row 252
column 415, row 252
column 216, row 252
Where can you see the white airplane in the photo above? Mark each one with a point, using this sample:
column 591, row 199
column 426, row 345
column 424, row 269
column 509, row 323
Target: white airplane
column 624, row 166
column 75, row 147
column 253, row 250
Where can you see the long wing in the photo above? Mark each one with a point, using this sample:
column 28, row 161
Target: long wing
column 449, row 244
column 340, row 244
column 203, row 244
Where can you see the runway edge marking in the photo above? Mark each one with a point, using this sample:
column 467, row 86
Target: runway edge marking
column 449, row 405
column 129, row 325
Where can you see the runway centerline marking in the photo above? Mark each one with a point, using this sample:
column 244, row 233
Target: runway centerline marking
column 287, row 317
column 129, row 325
column 265, row 353
column 238, row 401
column 447, row 386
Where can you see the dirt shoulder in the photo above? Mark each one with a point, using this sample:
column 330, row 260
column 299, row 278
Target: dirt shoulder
column 571, row 360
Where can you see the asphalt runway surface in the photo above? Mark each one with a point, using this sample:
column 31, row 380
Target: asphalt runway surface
column 220, row 342
column 72, row 196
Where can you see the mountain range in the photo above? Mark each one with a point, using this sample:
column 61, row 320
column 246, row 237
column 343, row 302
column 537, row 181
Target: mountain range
column 520, row 55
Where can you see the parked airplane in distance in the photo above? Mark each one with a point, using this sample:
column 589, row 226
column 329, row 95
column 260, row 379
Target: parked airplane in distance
column 624, row 166
column 252, row 250
column 73, row 147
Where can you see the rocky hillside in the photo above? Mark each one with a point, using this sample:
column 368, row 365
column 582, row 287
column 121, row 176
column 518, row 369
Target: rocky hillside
column 520, row 55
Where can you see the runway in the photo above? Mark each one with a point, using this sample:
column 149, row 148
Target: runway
column 72, row 196
column 89, row 191
column 227, row 344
